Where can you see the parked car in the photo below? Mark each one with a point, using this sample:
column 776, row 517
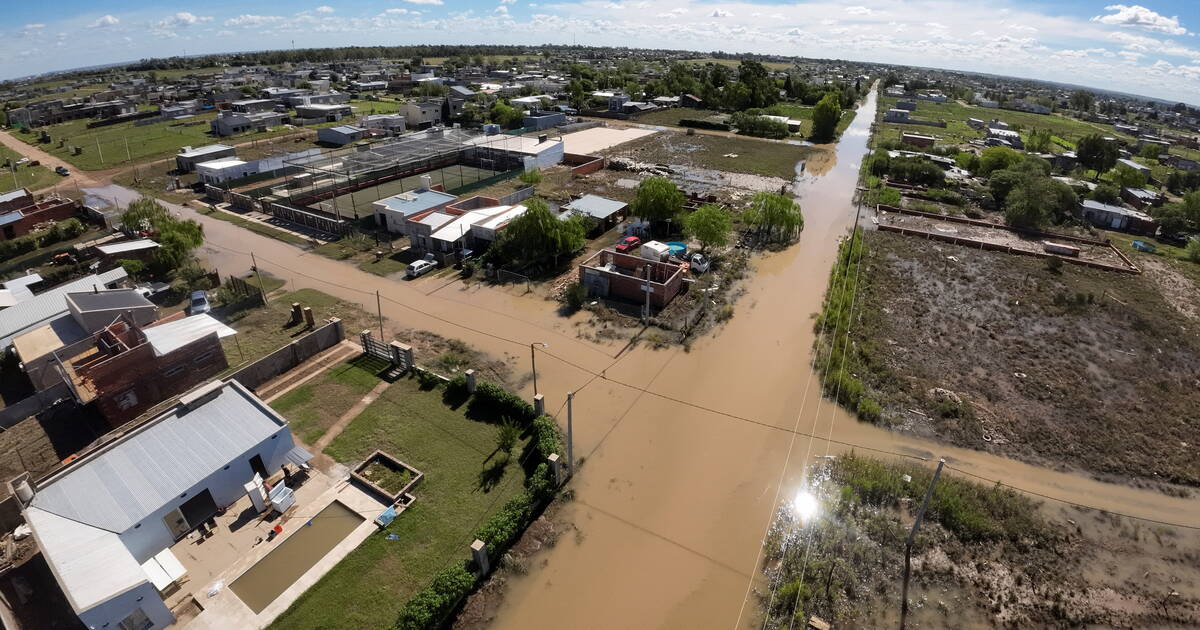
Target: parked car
column 199, row 303
column 628, row 244
column 419, row 268
column 62, row 170
column 699, row 263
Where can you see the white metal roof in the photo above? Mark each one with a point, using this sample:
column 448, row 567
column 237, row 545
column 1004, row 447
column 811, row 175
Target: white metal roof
column 48, row 304
column 220, row 164
column 461, row 224
column 202, row 151
column 171, row 336
column 92, row 565
column 138, row 473
column 126, row 246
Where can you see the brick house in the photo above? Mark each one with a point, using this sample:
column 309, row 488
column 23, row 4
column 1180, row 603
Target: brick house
column 19, row 212
column 126, row 369
column 611, row 274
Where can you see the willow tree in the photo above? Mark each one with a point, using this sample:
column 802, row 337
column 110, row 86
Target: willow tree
column 537, row 236
column 774, row 217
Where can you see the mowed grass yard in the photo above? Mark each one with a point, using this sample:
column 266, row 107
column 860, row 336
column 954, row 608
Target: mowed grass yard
column 263, row 330
column 23, row 175
column 120, row 143
column 463, row 485
column 316, row 405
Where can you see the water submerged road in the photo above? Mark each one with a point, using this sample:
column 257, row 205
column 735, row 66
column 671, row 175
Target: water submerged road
column 672, row 499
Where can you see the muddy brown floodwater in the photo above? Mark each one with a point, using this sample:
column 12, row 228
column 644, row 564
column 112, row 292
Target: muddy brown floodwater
column 674, row 495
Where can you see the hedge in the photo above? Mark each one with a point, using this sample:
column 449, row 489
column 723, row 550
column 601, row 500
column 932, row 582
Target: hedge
column 430, row 607
column 496, row 402
column 703, row 124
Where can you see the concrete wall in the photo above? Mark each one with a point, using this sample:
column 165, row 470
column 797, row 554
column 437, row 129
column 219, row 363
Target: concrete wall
column 583, row 164
column 256, row 374
column 110, row 613
column 34, row 404
column 226, row 486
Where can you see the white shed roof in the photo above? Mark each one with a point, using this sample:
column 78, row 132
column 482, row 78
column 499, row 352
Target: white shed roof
column 92, row 565
column 126, row 246
column 171, row 336
column 49, row 304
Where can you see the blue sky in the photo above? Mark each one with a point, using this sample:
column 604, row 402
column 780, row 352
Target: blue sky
column 1150, row 49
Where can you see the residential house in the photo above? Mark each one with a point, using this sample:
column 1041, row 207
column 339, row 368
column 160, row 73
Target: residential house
column 229, row 123
column 605, row 212
column 128, row 367
column 32, row 311
column 368, row 86
column 1179, row 162
column 392, row 213
column 322, row 112
column 86, row 313
column 1112, row 217
column 666, row 101
column 1136, row 166
column 690, row 100
column 187, row 158
column 421, row 114
column 252, row 106
column 1141, row 198
column 540, row 120
column 106, row 521
column 1004, row 137
column 220, row 171
column 16, row 290
column 907, row 105
column 341, row 135
column 389, row 123
column 20, row 212
column 611, row 274
column 896, row 115
column 531, row 153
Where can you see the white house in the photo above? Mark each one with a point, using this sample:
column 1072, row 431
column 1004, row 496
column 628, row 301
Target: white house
column 105, row 522
column 218, row 171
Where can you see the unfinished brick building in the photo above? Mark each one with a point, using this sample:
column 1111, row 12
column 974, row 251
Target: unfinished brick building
column 125, row 369
column 19, row 212
column 611, row 274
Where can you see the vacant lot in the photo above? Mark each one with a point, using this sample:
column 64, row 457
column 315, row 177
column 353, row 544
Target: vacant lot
column 265, row 329
column 23, row 175
column 1074, row 367
column 956, row 115
column 725, row 152
column 466, row 480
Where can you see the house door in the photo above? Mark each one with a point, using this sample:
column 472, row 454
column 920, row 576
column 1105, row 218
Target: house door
column 199, row 508
column 177, row 525
column 256, row 464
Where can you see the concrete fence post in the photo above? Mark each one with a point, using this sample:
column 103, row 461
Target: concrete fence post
column 337, row 328
column 470, row 374
column 402, row 354
column 297, row 313
column 556, row 466
column 479, row 555
column 295, row 353
column 539, row 404
column 365, row 338
column 309, row 320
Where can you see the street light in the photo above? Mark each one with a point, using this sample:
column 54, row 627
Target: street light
column 533, row 361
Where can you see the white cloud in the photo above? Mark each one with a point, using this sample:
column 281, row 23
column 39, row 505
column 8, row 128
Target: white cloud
column 326, row 9
column 105, row 22
column 225, row 33
column 1137, row 16
column 673, row 13
column 183, row 19
column 503, row 10
column 33, row 27
column 508, row 2
column 437, row 3
column 937, row 25
column 245, row 20
column 396, row 12
column 718, row 13
column 859, row 10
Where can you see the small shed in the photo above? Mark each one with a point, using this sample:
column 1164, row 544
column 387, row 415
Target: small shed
column 606, row 212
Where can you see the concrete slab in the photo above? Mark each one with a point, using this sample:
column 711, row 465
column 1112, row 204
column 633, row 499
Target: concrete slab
column 590, row 141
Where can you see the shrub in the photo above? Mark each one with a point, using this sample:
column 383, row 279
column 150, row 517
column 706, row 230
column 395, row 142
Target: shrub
column 429, row 608
column 468, row 269
column 946, row 196
column 703, row 124
column 427, row 380
column 135, row 268
column 506, row 438
column 545, row 437
column 574, row 296
column 494, row 403
column 869, row 410
column 1193, row 250
column 502, row 529
column 759, row 126
column 530, row 177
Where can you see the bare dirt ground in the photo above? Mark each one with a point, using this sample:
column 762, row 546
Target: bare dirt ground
column 1075, row 368
column 1178, row 289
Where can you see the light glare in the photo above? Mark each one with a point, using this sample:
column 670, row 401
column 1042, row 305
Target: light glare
column 805, row 505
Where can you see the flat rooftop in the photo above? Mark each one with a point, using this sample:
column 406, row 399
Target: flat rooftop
column 414, row 201
column 113, row 299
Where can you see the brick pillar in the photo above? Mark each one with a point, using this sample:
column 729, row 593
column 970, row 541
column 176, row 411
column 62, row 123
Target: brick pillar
column 480, row 555
column 470, row 374
column 402, row 354
column 338, row 329
column 556, row 467
column 309, row 320
column 539, row 405
column 297, row 313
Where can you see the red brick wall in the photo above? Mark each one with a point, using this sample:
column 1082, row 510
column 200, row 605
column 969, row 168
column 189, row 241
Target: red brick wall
column 54, row 210
column 663, row 277
column 583, row 164
column 153, row 379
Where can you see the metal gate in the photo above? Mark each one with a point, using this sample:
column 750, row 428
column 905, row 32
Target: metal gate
column 373, row 347
column 396, row 353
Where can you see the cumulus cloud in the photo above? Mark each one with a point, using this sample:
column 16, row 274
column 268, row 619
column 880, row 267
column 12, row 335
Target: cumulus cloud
column 502, row 10
column 245, row 20
column 397, row 11
column 33, row 27
column 673, row 13
column 183, row 19
column 323, row 9
column 859, row 10
column 429, row 2
column 718, row 13
column 105, row 22
column 1138, row 16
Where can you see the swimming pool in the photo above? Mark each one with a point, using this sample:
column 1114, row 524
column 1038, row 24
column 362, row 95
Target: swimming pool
column 279, row 569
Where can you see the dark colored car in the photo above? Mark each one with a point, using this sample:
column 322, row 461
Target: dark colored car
column 628, row 244
column 62, row 170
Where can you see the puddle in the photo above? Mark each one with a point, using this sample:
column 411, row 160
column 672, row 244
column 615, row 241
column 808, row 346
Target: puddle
column 271, row 576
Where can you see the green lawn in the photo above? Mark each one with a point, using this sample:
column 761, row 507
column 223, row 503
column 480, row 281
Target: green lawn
column 463, row 485
column 25, row 176
column 314, row 406
column 375, row 107
column 115, row 145
column 1176, row 255
column 672, row 115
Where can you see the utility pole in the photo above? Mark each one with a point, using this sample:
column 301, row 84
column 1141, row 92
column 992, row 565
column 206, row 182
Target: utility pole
column 254, row 266
column 646, row 308
column 533, row 362
column 99, row 150
column 570, row 435
column 908, row 543
column 127, row 155
column 379, row 307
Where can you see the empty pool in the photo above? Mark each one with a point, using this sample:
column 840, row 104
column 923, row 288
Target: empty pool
column 280, row 568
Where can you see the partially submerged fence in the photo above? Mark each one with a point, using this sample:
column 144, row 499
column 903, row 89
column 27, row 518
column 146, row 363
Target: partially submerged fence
column 1008, row 249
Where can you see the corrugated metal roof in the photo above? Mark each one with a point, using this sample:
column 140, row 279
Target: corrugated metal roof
column 129, row 479
column 414, row 201
column 171, row 336
column 11, row 217
column 13, row 194
column 92, row 565
column 202, row 151
column 127, row 246
column 48, row 304
column 596, row 206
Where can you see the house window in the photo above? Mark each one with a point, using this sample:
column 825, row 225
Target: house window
column 173, row 372
column 126, row 399
column 202, row 357
column 137, row 620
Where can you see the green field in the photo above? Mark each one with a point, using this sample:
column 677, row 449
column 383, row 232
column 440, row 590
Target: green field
column 956, row 115
column 115, row 145
column 733, row 63
column 24, row 176
column 795, row 111
column 466, row 480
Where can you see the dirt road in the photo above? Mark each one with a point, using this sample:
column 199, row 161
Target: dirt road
column 82, row 178
column 675, row 486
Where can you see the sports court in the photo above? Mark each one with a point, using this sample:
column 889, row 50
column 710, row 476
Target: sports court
column 359, row 202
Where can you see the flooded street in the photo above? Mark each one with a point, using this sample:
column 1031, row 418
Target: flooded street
column 684, row 453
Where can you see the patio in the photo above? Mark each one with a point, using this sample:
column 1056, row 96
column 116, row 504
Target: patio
column 242, row 538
